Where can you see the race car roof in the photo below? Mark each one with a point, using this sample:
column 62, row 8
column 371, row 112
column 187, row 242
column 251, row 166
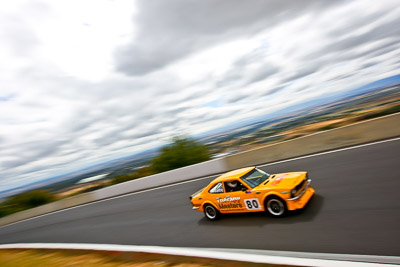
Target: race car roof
column 233, row 174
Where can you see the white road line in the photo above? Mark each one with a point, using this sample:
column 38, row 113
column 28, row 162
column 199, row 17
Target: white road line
column 207, row 177
column 226, row 254
column 107, row 199
column 331, row 151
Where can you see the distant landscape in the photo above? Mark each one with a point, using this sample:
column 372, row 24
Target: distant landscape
column 358, row 106
column 373, row 100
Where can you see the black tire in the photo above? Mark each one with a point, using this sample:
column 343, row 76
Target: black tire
column 211, row 212
column 275, row 206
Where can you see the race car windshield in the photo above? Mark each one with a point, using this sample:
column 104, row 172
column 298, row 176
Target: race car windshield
column 255, row 177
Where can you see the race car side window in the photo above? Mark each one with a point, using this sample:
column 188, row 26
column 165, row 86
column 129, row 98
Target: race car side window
column 216, row 189
column 233, row 186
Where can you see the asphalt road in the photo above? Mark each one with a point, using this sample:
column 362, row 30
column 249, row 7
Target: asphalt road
column 356, row 210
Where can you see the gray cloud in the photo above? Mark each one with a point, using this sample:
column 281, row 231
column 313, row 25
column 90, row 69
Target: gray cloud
column 169, row 31
column 382, row 31
column 272, row 90
column 248, row 69
column 340, row 77
column 233, row 98
column 368, row 64
column 33, row 151
column 262, row 73
column 385, row 47
column 356, row 21
column 301, row 72
column 302, row 88
column 245, row 96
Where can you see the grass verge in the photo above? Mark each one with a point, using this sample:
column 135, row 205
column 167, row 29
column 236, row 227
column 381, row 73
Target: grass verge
column 58, row 258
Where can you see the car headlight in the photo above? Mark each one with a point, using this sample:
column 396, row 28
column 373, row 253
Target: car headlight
column 293, row 192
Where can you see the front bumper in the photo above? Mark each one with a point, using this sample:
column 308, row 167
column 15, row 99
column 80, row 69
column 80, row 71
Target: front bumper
column 299, row 201
column 302, row 192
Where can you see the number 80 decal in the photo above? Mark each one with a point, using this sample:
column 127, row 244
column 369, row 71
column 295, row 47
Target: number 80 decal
column 252, row 204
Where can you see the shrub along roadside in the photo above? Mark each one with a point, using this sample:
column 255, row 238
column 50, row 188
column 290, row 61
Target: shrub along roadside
column 24, row 201
column 180, row 153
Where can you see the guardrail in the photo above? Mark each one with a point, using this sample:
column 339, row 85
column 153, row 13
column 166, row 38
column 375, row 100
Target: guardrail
column 48, row 208
column 182, row 174
column 358, row 133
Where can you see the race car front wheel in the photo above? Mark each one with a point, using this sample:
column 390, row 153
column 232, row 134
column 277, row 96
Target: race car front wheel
column 275, row 206
column 211, row 212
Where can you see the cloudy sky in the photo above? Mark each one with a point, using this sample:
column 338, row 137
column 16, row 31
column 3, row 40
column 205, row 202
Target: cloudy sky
column 82, row 82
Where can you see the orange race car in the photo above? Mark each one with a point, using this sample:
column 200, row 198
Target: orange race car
column 251, row 190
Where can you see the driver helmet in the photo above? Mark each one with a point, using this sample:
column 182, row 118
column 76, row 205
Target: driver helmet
column 232, row 183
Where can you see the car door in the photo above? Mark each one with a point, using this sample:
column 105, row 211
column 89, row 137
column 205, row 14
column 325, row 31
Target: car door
column 232, row 201
column 251, row 200
column 216, row 193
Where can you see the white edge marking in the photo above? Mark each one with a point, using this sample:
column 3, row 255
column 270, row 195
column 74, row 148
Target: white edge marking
column 199, row 252
column 111, row 198
column 330, row 152
column 202, row 178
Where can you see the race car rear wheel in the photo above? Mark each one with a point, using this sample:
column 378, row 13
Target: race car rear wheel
column 211, row 212
column 275, row 206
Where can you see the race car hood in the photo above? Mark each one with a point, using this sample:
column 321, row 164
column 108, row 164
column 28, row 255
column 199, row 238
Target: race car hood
column 284, row 180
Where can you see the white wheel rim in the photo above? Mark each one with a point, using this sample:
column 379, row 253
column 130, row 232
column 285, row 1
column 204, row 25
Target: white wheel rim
column 275, row 207
column 211, row 212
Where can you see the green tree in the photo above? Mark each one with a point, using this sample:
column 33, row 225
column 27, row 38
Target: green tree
column 180, row 153
column 26, row 200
